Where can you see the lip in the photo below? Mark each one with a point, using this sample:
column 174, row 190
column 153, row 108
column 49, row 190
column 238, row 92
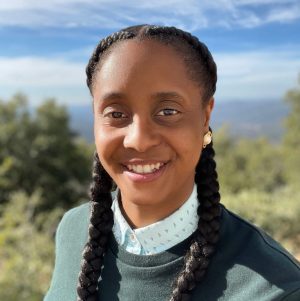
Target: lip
column 143, row 162
column 146, row 177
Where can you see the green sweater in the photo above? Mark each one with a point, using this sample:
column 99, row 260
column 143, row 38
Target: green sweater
column 248, row 265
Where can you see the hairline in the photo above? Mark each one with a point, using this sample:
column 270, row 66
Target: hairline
column 179, row 45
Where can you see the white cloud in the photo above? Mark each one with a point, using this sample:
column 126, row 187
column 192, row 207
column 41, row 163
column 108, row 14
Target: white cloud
column 190, row 14
column 256, row 75
column 33, row 71
column 40, row 78
column 263, row 2
column 284, row 14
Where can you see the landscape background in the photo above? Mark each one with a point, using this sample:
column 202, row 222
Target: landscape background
column 46, row 136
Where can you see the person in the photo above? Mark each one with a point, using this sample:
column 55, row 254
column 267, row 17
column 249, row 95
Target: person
column 163, row 234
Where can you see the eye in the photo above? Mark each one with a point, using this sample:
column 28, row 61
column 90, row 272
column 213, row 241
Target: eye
column 168, row 112
column 115, row 115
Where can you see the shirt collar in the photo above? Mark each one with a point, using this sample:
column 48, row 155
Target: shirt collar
column 161, row 235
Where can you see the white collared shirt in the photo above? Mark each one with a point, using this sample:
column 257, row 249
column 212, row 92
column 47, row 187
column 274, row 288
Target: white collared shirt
column 159, row 236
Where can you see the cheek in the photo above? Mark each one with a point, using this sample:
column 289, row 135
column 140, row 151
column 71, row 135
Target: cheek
column 190, row 137
column 194, row 148
column 187, row 145
column 106, row 144
column 193, row 151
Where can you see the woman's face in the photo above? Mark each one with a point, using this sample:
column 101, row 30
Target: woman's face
column 149, row 123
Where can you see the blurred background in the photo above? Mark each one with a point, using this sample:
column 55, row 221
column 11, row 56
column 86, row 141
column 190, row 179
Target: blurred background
column 46, row 136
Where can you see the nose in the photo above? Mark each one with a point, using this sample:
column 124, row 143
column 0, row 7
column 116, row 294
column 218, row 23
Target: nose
column 141, row 135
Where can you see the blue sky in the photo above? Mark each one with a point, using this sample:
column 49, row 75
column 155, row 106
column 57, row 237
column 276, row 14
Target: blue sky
column 45, row 45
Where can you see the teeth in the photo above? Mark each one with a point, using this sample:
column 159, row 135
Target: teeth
column 139, row 168
column 148, row 168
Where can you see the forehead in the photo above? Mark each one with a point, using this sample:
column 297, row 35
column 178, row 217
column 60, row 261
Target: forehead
column 140, row 52
column 146, row 63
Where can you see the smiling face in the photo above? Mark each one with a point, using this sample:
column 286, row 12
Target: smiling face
column 149, row 123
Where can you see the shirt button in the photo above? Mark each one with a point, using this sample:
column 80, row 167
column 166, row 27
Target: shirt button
column 132, row 237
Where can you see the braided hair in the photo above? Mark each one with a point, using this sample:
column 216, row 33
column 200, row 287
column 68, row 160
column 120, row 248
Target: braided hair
column 204, row 240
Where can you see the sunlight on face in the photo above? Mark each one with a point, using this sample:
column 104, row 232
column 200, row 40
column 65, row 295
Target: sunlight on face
column 149, row 124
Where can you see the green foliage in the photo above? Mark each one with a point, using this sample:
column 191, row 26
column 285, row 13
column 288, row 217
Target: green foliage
column 15, row 132
column 44, row 170
column 26, row 254
column 39, row 151
column 277, row 213
column 291, row 139
column 247, row 164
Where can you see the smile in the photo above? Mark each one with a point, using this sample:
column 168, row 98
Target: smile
column 142, row 173
column 144, row 169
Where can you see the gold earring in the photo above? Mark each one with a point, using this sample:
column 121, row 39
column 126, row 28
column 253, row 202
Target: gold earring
column 207, row 139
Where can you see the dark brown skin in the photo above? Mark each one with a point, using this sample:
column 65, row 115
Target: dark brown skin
column 133, row 124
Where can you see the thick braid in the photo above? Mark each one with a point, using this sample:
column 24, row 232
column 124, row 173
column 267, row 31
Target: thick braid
column 100, row 227
column 197, row 258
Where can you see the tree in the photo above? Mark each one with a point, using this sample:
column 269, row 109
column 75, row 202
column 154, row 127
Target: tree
column 39, row 150
column 291, row 138
column 15, row 127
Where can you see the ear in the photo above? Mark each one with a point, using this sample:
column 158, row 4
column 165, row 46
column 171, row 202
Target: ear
column 207, row 112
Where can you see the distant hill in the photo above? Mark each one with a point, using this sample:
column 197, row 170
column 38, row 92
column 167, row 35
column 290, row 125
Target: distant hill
column 252, row 119
column 248, row 119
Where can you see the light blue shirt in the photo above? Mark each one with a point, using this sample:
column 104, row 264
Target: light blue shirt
column 159, row 236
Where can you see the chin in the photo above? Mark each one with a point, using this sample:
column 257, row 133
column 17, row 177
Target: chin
column 141, row 197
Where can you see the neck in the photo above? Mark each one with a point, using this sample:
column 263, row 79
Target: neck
column 139, row 214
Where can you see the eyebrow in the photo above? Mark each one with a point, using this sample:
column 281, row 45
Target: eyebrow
column 113, row 96
column 167, row 95
column 158, row 95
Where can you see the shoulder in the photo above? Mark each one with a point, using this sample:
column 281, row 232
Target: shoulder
column 254, row 239
column 72, row 230
column 75, row 216
column 71, row 236
column 253, row 261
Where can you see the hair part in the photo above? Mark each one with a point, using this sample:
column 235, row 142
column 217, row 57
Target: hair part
column 202, row 69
